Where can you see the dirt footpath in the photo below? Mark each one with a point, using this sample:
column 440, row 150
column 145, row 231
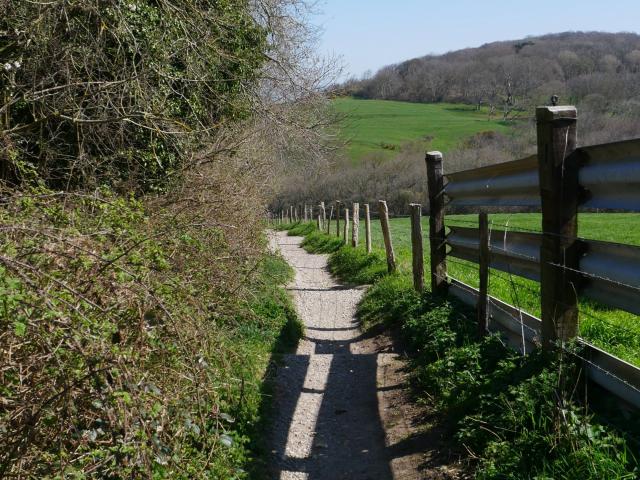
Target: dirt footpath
column 341, row 407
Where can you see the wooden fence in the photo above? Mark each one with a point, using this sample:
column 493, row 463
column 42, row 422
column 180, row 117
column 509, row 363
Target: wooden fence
column 558, row 181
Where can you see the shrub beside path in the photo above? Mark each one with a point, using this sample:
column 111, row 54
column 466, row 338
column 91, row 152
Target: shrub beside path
column 341, row 406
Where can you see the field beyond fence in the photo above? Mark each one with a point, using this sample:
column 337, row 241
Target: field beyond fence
column 535, row 278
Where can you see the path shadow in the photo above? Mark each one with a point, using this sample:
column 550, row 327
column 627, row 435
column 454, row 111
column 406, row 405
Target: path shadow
column 349, row 439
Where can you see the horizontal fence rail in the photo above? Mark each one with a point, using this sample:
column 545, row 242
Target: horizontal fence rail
column 610, row 272
column 608, row 177
column 510, row 184
column 513, row 252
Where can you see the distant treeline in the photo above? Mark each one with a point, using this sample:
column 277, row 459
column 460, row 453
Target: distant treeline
column 598, row 69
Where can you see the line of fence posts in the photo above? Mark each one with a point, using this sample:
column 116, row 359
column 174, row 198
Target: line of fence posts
column 560, row 250
column 323, row 222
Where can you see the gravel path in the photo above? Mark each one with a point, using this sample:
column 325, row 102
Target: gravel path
column 339, row 408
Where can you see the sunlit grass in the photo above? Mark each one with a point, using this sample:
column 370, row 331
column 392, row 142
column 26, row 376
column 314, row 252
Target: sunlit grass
column 383, row 126
column 614, row 330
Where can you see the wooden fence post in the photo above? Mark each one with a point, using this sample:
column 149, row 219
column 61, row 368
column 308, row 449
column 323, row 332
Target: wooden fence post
column 319, row 222
column 338, row 218
column 323, row 213
column 559, row 194
column 367, row 227
column 346, row 226
column 416, row 247
column 355, row 225
column 483, row 261
column 438, row 248
column 329, row 221
column 305, row 212
column 386, row 235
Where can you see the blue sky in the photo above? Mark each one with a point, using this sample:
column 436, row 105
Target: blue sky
column 369, row 34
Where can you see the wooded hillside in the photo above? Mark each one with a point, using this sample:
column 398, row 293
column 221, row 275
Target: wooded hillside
column 599, row 69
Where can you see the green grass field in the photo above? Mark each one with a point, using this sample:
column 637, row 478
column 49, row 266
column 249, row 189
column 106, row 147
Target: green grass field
column 382, row 126
column 613, row 330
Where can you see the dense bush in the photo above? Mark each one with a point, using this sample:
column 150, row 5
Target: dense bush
column 138, row 308
column 120, row 91
column 123, row 354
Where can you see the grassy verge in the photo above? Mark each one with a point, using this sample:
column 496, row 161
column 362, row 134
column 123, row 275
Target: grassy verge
column 277, row 332
column 515, row 416
column 613, row 330
column 350, row 265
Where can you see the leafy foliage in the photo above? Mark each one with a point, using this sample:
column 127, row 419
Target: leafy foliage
column 123, row 355
column 515, row 414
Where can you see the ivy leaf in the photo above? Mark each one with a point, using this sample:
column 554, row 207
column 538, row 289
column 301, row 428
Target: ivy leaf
column 226, row 440
column 227, row 417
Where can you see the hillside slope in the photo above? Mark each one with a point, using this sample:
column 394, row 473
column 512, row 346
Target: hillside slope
column 383, row 127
